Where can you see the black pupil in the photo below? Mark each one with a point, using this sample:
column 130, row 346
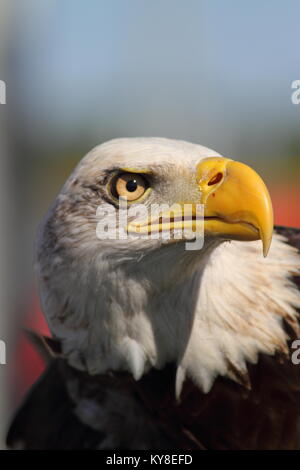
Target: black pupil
column 131, row 185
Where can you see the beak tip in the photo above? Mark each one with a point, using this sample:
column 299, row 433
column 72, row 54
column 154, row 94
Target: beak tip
column 266, row 245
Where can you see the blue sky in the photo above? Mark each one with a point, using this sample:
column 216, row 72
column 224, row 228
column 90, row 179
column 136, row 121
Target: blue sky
column 199, row 70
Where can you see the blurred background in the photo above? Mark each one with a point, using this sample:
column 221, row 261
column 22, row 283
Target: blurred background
column 81, row 72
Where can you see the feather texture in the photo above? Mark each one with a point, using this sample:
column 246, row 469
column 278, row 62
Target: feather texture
column 161, row 347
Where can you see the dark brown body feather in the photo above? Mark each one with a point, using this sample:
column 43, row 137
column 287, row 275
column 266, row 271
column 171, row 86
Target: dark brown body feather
column 68, row 409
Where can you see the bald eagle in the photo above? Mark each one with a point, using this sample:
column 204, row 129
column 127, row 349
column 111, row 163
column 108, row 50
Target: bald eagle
column 155, row 345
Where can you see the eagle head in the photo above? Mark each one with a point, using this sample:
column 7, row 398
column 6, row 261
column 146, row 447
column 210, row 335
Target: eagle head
column 125, row 288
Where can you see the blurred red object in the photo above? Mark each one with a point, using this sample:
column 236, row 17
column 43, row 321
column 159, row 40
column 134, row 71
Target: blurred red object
column 29, row 364
column 286, row 203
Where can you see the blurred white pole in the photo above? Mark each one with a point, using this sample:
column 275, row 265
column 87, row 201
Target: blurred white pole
column 4, row 233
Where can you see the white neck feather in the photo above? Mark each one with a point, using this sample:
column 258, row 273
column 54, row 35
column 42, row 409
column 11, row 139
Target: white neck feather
column 228, row 308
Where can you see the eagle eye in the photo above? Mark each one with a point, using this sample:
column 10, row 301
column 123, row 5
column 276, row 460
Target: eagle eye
column 129, row 185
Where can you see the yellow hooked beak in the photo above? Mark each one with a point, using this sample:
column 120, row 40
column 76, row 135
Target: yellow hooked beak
column 237, row 205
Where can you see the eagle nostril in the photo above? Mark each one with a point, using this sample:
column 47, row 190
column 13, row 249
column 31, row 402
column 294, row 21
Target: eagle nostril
column 215, row 179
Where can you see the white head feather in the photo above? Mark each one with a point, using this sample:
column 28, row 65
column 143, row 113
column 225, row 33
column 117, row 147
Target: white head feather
column 134, row 304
